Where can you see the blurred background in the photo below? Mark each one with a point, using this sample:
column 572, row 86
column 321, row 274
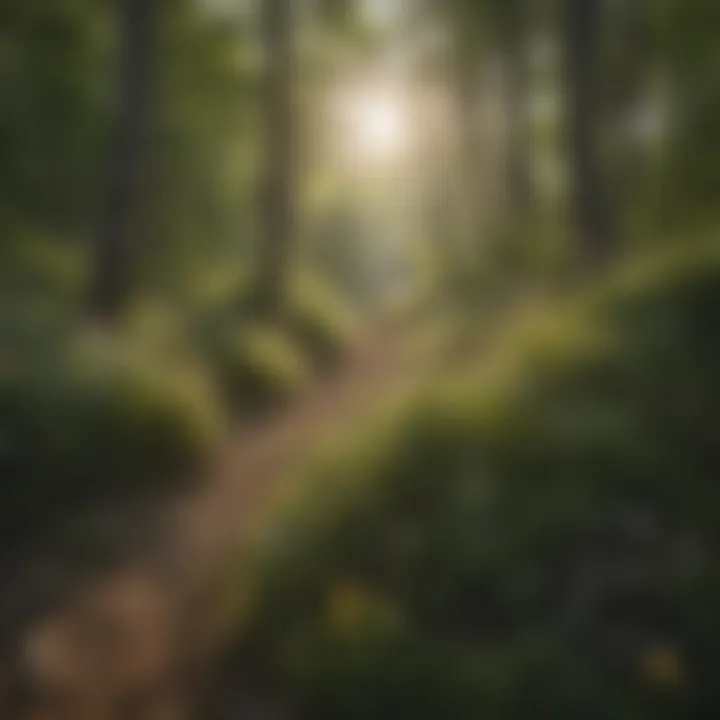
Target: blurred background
column 359, row 359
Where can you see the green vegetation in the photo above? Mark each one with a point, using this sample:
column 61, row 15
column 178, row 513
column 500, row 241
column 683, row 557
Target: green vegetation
column 205, row 206
column 543, row 538
column 116, row 380
column 258, row 368
column 93, row 420
column 320, row 323
column 258, row 362
column 89, row 416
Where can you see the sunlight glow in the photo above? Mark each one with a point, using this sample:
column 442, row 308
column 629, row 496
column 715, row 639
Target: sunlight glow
column 381, row 126
column 375, row 125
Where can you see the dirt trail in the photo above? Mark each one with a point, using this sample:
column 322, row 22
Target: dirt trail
column 252, row 468
column 110, row 649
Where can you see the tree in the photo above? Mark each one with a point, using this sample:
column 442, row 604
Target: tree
column 513, row 40
column 499, row 30
column 686, row 35
column 590, row 204
column 118, row 228
column 278, row 191
column 52, row 113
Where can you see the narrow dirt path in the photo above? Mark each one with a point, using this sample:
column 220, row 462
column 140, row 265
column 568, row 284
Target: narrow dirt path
column 253, row 468
column 110, row 650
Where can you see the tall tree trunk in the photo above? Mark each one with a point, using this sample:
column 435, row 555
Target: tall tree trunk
column 630, row 83
column 515, row 51
column 278, row 193
column 467, row 153
column 118, row 229
column 590, row 205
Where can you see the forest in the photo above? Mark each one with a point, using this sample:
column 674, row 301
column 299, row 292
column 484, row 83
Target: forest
column 357, row 359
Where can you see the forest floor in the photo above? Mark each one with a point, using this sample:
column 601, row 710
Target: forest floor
column 113, row 643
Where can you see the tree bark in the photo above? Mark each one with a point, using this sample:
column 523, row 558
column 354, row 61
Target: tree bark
column 590, row 205
column 515, row 50
column 278, row 191
column 118, row 228
column 467, row 152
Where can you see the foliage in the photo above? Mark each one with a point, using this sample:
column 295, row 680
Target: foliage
column 39, row 269
column 319, row 322
column 258, row 367
column 544, row 539
column 205, row 150
column 93, row 419
column 53, row 85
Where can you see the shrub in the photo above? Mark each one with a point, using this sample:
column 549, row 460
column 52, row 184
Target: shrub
column 319, row 323
column 260, row 362
column 39, row 268
column 258, row 367
column 95, row 420
column 542, row 543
